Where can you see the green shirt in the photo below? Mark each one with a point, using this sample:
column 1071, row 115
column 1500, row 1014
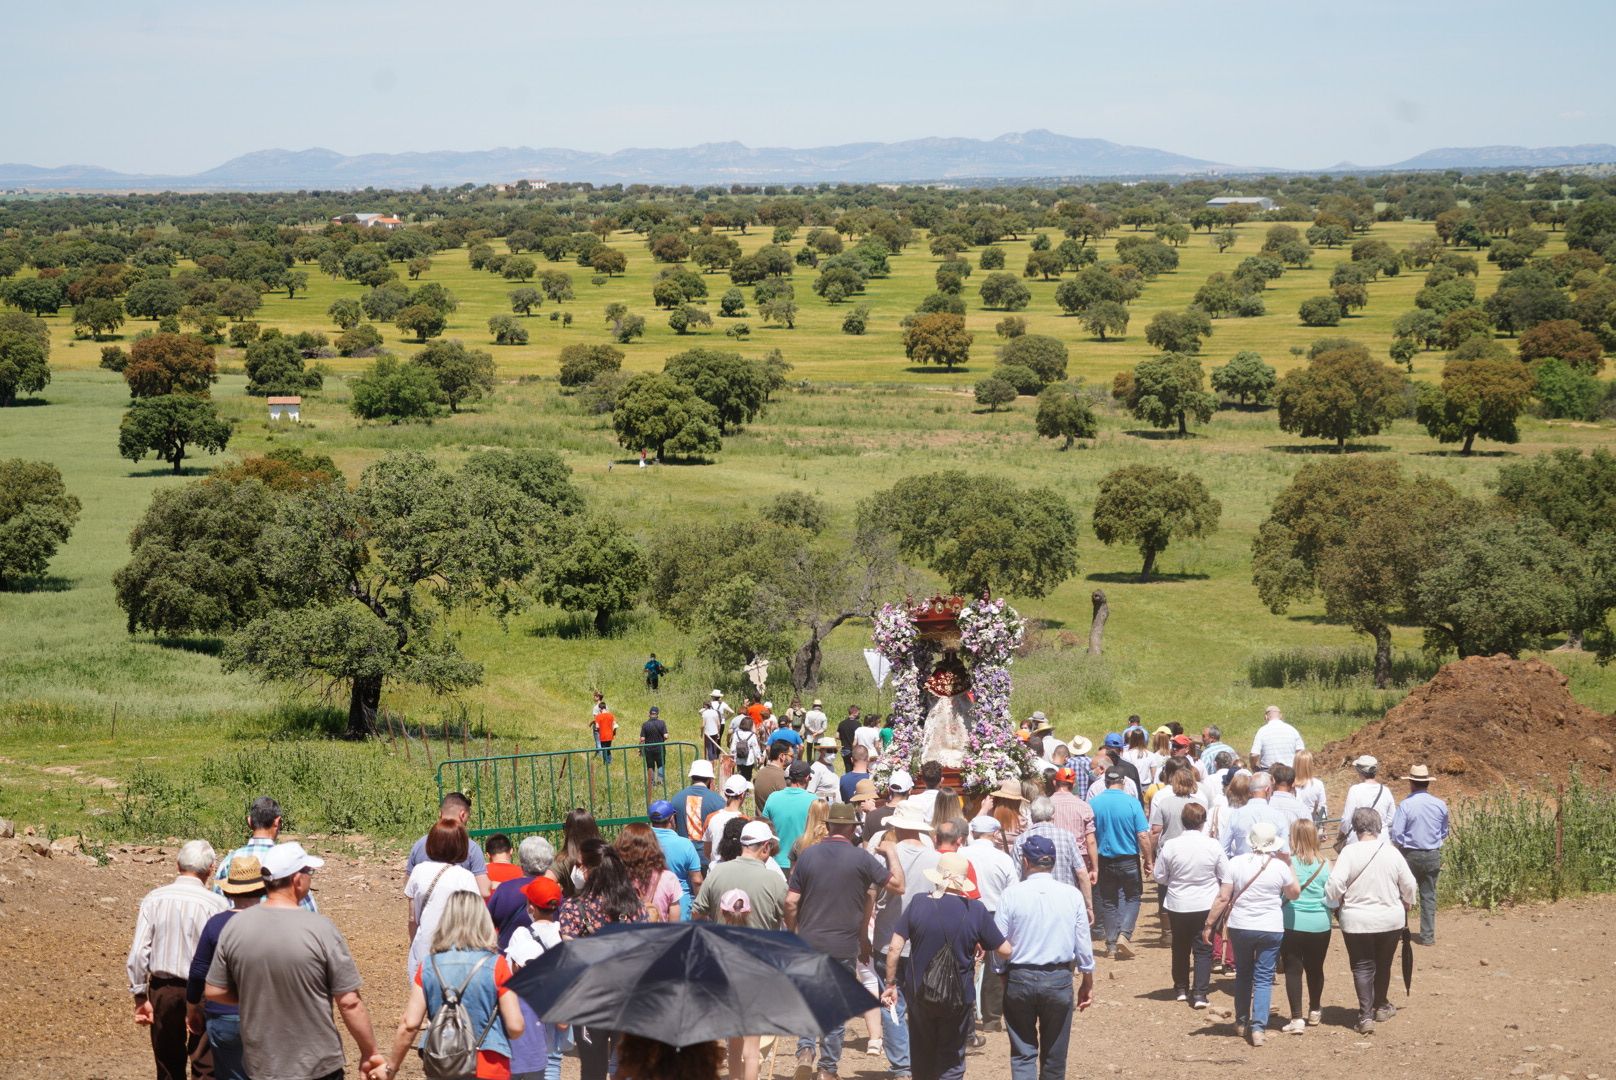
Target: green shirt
column 788, row 813
column 1308, row 911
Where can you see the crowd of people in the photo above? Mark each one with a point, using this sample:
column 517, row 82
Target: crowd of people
column 963, row 914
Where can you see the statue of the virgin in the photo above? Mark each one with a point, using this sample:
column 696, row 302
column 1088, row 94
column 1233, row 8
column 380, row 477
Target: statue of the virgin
column 948, row 713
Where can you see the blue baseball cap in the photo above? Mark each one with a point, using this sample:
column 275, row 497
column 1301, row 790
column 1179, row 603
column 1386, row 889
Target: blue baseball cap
column 1113, row 741
column 1038, row 849
column 661, row 810
column 655, row 711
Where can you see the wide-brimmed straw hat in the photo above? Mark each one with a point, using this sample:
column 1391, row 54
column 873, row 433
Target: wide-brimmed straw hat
column 909, row 818
column 1009, row 789
column 1080, row 746
column 246, row 877
column 1419, row 774
column 1263, row 837
column 951, row 874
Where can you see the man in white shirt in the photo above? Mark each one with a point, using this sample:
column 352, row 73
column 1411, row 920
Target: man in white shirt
column 823, row 781
column 166, row 932
column 1276, row 741
column 815, row 722
column 996, row 871
column 1368, row 793
column 1284, row 797
column 712, row 723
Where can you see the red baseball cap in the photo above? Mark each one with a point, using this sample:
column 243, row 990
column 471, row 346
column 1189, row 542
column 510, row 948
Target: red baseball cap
column 543, row 893
column 1181, row 740
column 1065, row 776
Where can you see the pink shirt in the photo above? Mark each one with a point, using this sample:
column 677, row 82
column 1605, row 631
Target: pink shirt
column 1073, row 815
column 663, row 897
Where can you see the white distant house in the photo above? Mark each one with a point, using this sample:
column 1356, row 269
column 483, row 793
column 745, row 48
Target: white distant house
column 1258, row 201
column 289, row 407
column 514, row 185
column 371, row 221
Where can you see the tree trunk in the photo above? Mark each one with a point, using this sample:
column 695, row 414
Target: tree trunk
column 1341, row 444
column 179, row 463
column 1102, row 611
column 603, row 621
column 1573, row 642
column 363, row 701
column 1470, row 440
column 1383, row 656
column 1150, row 564
column 806, row 663
column 1183, row 425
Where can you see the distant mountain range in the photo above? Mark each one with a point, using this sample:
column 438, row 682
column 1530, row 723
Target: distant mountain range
column 1018, row 155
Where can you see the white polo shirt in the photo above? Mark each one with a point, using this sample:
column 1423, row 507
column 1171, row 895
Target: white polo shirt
column 1277, row 743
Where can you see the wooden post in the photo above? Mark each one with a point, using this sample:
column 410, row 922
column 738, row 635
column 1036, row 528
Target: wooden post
column 114, row 721
column 1102, row 611
column 1559, row 840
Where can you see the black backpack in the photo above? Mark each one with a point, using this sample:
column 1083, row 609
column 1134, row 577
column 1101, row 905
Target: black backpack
column 941, row 987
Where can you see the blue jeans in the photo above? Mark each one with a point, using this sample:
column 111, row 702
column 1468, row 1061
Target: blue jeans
column 1255, row 952
column 1038, row 1016
column 224, row 1035
column 559, row 1041
column 895, row 1033
column 1426, row 866
column 830, row 1047
column 1118, row 893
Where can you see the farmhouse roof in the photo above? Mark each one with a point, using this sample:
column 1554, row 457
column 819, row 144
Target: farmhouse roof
column 286, row 401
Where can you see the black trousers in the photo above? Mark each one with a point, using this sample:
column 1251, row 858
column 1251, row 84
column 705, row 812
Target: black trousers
column 1372, row 957
column 1186, row 929
column 937, row 1041
column 175, row 1050
column 594, row 1055
column 1304, row 952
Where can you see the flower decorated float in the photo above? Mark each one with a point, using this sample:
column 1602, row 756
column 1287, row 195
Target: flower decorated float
column 950, row 662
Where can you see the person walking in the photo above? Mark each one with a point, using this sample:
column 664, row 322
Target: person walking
column 787, row 810
column 537, row 1052
column 285, row 967
column 694, row 803
column 736, row 789
column 264, row 821
column 654, row 670
column 604, row 726
column 845, row 733
column 828, row 904
column 1372, row 888
column 1071, row 812
column 454, row 809
column 653, row 748
column 244, row 888
column 995, row 871
column 508, row 907
column 1123, row 836
column 1212, row 745
column 659, row 889
column 1077, row 866
column 464, row 962
column 1047, row 926
column 1307, row 928
column 1283, row 798
column 753, row 874
column 430, row 886
column 945, row 926
column 814, row 722
column 1419, row 829
column 745, row 748
column 1276, row 742
column 822, row 781
column 908, row 830
column 679, row 854
column 168, row 927
column 1253, row 896
column 772, row 776
column 1310, row 788
column 860, row 770
column 1192, row 868
column 1368, row 793
column 712, row 724
column 1259, row 785
column 607, row 897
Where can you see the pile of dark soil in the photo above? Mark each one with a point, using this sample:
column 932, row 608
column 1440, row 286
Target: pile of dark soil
column 1488, row 721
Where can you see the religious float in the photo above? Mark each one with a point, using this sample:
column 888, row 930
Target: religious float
column 950, row 662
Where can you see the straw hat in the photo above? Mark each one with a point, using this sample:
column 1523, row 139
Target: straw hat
column 863, row 791
column 1420, row 774
column 951, row 874
column 246, row 877
column 1263, row 837
column 909, row 818
column 1009, row 790
column 1080, row 746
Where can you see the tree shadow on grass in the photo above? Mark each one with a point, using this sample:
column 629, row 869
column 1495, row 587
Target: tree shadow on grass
column 1161, row 434
column 1472, row 454
column 168, row 470
column 28, row 402
column 1131, row 577
column 1000, row 411
column 1328, row 448
column 580, row 626
column 1245, row 407
column 934, row 369
column 206, row 646
column 44, row 583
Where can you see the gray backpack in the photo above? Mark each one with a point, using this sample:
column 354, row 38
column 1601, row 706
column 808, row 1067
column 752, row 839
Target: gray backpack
column 449, row 1048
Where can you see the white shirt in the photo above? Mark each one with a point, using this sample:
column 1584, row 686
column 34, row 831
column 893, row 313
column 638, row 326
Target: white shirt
column 1315, row 798
column 428, row 901
column 715, row 829
column 1277, row 742
column 814, row 723
column 1147, row 763
column 709, row 722
column 869, row 738
column 531, row 942
column 995, row 870
column 1372, row 794
column 1192, row 865
column 1261, row 904
column 822, row 781
column 167, row 930
column 1373, row 886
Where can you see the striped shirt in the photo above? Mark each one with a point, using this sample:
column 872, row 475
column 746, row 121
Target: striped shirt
column 1069, row 860
column 1276, row 743
column 255, row 846
column 167, row 929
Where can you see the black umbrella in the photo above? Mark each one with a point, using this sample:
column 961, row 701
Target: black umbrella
column 1408, row 961
column 691, row 982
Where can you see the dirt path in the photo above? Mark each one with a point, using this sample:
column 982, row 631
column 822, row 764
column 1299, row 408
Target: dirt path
column 1523, row 993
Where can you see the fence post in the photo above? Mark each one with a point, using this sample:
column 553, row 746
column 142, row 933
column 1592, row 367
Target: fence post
column 1559, row 840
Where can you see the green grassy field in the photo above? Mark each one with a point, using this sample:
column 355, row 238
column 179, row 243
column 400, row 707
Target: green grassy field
column 1181, row 648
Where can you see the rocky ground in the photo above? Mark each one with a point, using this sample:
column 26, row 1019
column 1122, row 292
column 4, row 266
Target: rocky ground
column 1525, row 992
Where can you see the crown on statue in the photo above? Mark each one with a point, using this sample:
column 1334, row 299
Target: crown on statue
column 936, row 616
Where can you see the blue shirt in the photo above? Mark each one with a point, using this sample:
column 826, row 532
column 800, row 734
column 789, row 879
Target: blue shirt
column 1118, row 821
column 849, row 781
column 1241, row 821
column 682, row 860
column 692, row 806
column 256, row 846
column 1209, row 756
column 1421, row 823
column 931, row 924
column 473, row 861
column 1046, row 922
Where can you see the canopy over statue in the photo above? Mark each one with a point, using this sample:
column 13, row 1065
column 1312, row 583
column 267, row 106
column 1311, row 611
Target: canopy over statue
column 951, row 689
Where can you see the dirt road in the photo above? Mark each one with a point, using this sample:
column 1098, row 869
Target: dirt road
column 1527, row 992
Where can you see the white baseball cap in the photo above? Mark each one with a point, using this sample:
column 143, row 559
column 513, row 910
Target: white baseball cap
column 284, row 860
column 756, row 832
column 769, row 705
column 701, row 769
column 900, row 781
column 737, row 785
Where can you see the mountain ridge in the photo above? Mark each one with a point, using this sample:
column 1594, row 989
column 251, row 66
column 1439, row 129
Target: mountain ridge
column 1024, row 155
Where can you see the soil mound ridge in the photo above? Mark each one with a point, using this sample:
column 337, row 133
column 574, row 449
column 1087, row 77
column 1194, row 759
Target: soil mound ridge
column 1484, row 722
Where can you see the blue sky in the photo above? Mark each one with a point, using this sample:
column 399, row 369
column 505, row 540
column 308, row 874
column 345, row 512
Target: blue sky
column 177, row 86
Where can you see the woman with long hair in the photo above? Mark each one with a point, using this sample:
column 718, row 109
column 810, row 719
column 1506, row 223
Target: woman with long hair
column 1307, row 927
column 608, row 896
column 1235, row 795
column 658, row 888
column 816, row 830
column 729, row 841
column 465, row 950
column 947, row 807
column 577, row 828
column 1310, row 789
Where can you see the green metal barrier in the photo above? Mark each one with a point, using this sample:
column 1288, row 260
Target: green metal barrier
column 529, row 793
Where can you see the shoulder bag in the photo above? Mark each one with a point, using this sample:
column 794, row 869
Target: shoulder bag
column 1222, row 922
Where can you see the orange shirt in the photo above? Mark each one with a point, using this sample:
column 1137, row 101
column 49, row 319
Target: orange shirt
column 503, row 871
column 606, row 724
